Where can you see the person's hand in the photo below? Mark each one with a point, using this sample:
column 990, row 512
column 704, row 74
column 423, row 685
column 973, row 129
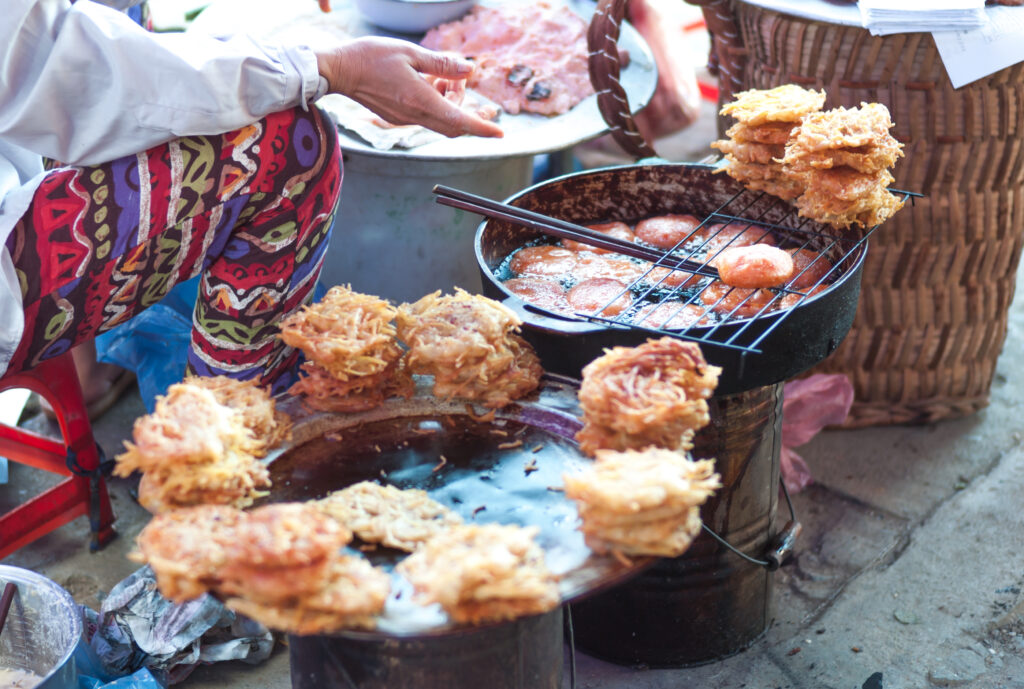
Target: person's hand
column 325, row 5
column 387, row 76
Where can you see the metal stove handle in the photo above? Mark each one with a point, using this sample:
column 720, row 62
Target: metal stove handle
column 780, row 547
column 603, row 63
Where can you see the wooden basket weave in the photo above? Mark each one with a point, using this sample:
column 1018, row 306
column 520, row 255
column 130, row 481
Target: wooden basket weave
column 939, row 276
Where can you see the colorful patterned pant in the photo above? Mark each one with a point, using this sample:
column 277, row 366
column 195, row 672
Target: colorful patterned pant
column 251, row 209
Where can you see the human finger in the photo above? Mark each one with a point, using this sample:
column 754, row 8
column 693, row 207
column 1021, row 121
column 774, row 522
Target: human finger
column 325, row 5
column 439, row 64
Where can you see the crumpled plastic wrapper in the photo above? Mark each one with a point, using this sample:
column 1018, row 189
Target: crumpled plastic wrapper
column 808, row 405
column 137, row 627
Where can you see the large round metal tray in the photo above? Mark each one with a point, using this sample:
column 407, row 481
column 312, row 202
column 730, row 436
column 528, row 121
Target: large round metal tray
column 526, row 134
column 402, row 442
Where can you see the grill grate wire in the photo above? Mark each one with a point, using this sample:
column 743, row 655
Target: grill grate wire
column 742, row 333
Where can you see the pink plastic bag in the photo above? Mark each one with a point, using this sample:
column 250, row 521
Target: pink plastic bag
column 810, row 404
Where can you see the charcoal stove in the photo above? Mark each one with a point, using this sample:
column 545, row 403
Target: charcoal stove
column 711, row 602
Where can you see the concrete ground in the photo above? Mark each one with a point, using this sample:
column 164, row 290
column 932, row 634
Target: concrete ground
column 909, row 572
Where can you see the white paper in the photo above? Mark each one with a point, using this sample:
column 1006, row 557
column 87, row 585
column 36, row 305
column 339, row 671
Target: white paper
column 971, row 55
column 882, row 17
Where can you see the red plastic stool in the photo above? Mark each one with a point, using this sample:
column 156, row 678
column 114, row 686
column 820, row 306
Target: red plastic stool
column 84, row 491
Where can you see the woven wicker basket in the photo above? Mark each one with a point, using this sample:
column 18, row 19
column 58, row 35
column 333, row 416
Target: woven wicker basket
column 939, row 277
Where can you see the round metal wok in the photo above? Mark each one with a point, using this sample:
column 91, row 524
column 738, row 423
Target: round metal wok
column 752, row 352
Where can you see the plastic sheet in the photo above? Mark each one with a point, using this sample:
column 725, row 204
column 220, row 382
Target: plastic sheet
column 137, row 628
column 809, row 405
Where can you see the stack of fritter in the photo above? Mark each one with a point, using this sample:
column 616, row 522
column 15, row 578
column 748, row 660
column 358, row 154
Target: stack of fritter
column 468, row 343
column 641, row 502
column 193, row 450
column 260, row 415
column 650, row 395
column 396, row 518
column 279, row 564
column 483, row 573
column 758, row 140
column 355, row 360
column 842, row 157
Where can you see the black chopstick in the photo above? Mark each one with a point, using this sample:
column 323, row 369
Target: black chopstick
column 566, row 230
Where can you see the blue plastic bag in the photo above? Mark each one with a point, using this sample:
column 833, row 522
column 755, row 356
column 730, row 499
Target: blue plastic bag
column 154, row 344
column 142, row 679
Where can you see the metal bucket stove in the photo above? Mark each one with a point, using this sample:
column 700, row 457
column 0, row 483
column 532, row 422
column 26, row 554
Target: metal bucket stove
column 499, row 470
column 712, row 601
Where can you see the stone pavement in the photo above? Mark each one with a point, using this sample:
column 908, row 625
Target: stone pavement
column 909, row 572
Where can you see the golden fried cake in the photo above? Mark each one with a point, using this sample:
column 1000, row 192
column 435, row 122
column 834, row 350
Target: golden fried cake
column 775, row 133
column 320, row 390
column 352, row 595
column 396, row 518
column 650, row 395
column 470, row 345
column 193, row 450
column 786, row 103
column 354, row 354
column 260, row 415
column 842, row 157
column 766, row 121
column 280, row 564
column 843, row 128
column 643, row 502
column 834, row 164
column 483, row 573
column 750, row 151
column 187, row 548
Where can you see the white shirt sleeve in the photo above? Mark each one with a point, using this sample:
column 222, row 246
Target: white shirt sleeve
column 84, row 84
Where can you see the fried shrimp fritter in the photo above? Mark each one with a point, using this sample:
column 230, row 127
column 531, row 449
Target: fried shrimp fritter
column 396, row 518
column 259, row 413
column 757, row 143
column 546, row 294
column 468, row 343
column 754, row 266
column 600, row 297
column 480, row 573
column 192, row 450
column 320, row 390
column 833, row 164
column 737, row 302
column 845, row 183
column 842, row 158
column 353, row 350
column 643, row 502
column 653, row 394
column 864, row 159
column 666, row 231
column 280, row 564
column 616, row 229
column 346, row 333
column 352, row 593
column 187, row 548
column 808, row 268
column 843, row 128
column 774, row 133
column 750, row 151
column 786, row 103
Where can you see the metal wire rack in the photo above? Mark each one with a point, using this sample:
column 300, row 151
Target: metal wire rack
column 734, row 328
